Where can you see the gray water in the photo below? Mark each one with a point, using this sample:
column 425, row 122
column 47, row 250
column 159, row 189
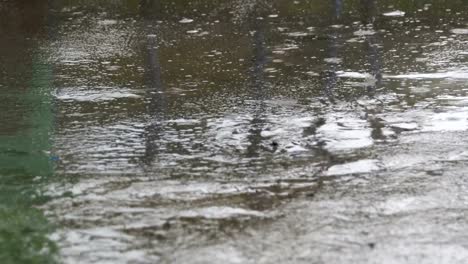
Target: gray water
column 251, row 131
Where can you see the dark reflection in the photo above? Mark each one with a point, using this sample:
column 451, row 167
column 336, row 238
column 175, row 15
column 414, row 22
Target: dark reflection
column 29, row 15
column 157, row 105
column 334, row 44
column 258, row 88
column 369, row 13
column 19, row 21
column 338, row 8
column 151, row 9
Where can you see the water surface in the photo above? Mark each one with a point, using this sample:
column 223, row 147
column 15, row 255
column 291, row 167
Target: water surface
column 243, row 131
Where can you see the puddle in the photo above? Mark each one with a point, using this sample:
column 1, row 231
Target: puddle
column 238, row 131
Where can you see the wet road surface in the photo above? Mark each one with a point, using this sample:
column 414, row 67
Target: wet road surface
column 243, row 131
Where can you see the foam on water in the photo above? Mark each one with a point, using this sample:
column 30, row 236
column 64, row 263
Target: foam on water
column 94, row 95
column 219, row 213
column 396, row 13
column 344, row 133
column 460, row 31
column 361, row 166
column 437, row 75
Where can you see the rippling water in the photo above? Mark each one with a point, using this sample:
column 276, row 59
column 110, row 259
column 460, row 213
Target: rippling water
column 244, row 131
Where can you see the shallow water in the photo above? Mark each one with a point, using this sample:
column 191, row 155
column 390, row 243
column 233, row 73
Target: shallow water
column 241, row 131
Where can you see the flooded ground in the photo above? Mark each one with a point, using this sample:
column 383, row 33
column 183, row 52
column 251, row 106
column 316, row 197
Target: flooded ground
column 242, row 131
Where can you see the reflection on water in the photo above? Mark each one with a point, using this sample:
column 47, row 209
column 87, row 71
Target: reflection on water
column 246, row 131
column 26, row 125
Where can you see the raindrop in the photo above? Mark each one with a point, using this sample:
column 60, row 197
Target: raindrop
column 186, row 20
column 396, row 13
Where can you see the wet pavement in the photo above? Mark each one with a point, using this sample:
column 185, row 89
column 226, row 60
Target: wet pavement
column 239, row 131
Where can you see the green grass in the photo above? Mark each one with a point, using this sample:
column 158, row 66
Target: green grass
column 23, row 236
